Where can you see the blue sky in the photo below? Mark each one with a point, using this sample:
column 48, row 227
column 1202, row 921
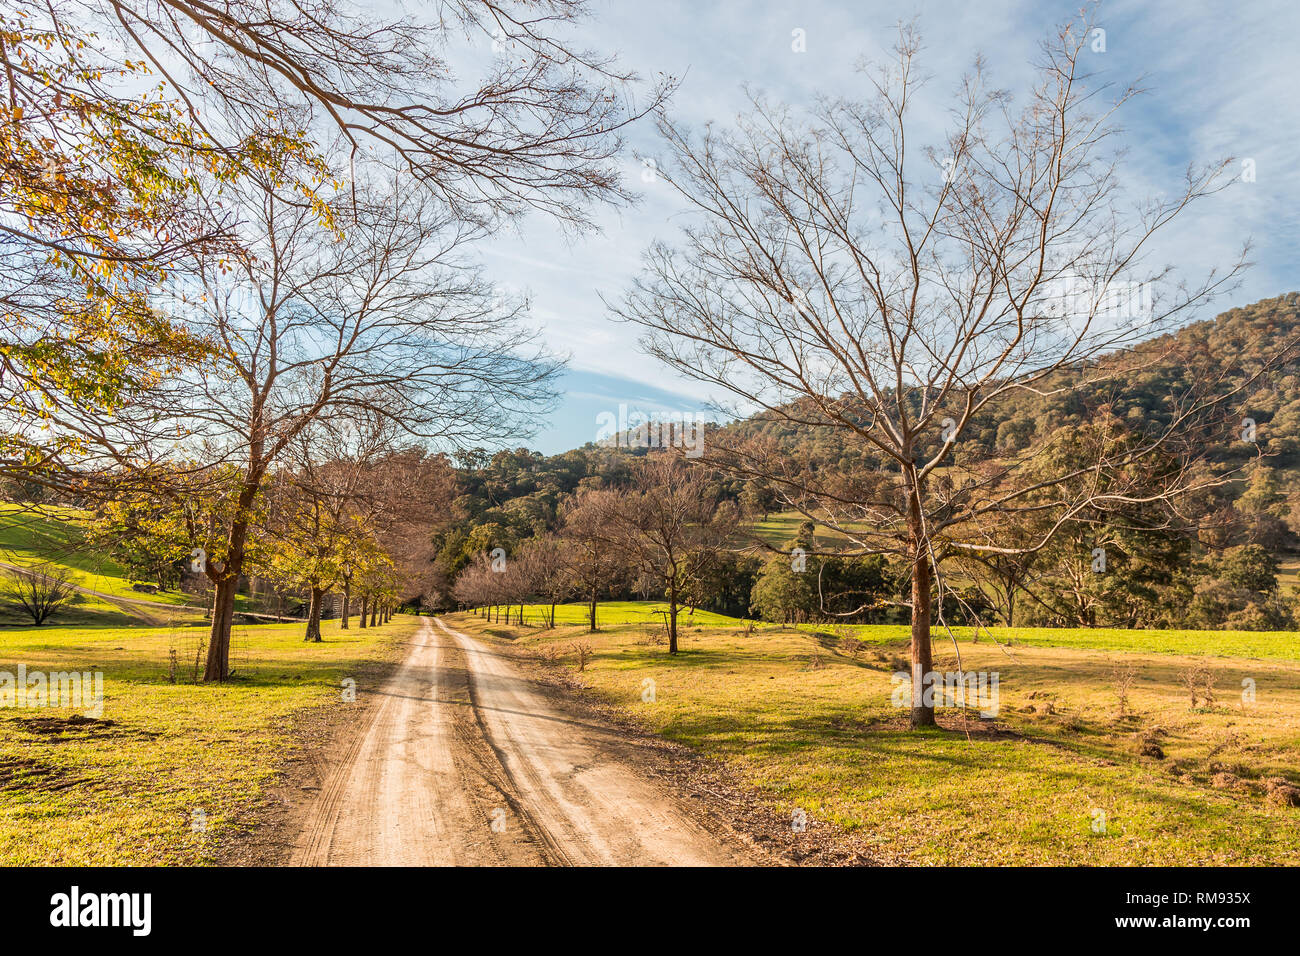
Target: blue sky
column 1222, row 80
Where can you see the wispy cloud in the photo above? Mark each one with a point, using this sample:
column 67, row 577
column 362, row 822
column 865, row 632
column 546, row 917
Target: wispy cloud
column 1220, row 82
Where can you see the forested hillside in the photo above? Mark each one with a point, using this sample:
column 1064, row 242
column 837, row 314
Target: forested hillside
column 1236, row 345
column 1216, row 566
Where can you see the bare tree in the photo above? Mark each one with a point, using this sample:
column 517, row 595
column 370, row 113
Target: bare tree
column 384, row 318
column 593, row 565
column 403, row 497
column 538, row 572
column 670, row 525
column 524, row 118
column 546, row 564
column 39, row 591
column 480, row 586
column 841, row 279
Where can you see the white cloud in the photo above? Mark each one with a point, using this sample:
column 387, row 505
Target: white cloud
column 1221, row 82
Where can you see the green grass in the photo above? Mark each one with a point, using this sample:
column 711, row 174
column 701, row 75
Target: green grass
column 779, row 529
column 1284, row 645
column 126, row 792
column 813, row 727
column 621, row 612
column 83, row 610
column 56, row 535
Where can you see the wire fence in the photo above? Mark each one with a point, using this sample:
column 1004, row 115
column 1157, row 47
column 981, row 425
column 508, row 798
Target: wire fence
column 187, row 650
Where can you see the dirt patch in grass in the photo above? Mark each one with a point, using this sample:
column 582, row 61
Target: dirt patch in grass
column 78, row 727
column 20, row 773
column 1282, row 792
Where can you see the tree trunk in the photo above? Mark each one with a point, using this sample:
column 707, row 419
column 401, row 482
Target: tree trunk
column 552, row 616
column 922, row 715
column 224, row 604
column 217, row 667
column 672, row 619
column 313, row 616
column 365, row 602
column 922, row 663
column 374, row 613
column 591, row 614
column 347, row 604
column 223, row 608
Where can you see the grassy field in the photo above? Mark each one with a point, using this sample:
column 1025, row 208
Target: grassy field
column 1059, row 777
column 129, row 788
column 1284, row 645
column 805, row 717
column 55, row 535
column 778, row 529
column 619, row 612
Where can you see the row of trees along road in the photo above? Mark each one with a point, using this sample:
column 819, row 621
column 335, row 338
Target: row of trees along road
column 302, row 187
column 307, row 185
column 668, row 527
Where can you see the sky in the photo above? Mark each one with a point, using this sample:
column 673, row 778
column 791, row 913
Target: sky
column 1221, row 80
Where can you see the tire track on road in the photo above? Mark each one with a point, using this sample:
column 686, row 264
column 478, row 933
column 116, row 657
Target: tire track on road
column 460, row 740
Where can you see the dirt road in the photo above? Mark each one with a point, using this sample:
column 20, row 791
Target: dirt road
column 465, row 762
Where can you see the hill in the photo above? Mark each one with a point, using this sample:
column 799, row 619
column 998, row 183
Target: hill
column 1240, row 542
column 53, row 536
